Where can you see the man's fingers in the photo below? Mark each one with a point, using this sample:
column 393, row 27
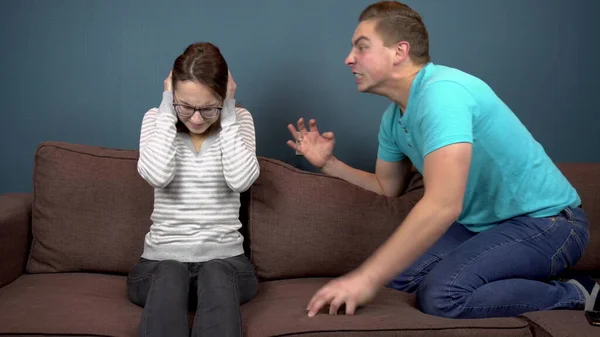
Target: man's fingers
column 328, row 135
column 313, row 126
column 350, row 307
column 335, row 304
column 293, row 131
column 316, row 306
column 316, row 297
column 318, row 301
column 292, row 145
column 302, row 127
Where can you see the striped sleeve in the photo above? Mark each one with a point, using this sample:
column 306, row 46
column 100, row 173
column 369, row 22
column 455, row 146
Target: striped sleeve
column 238, row 147
column 157, row 144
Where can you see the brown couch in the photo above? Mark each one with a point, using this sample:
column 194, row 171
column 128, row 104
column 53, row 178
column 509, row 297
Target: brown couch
column 66, row 248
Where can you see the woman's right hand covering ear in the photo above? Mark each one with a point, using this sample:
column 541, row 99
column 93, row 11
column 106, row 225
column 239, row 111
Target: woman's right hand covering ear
column 168, row 83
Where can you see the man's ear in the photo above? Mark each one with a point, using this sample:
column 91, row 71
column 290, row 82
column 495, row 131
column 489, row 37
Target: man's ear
column 402, row 51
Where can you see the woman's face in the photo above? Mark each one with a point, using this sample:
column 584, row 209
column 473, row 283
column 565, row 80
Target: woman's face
column 196, row 105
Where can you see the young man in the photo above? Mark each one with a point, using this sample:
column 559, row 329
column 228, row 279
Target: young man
column 498, row 221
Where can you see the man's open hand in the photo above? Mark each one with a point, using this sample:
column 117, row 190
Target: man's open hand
column 353, row 290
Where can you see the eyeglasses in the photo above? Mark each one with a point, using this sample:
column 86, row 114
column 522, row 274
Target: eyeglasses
column 186, row 111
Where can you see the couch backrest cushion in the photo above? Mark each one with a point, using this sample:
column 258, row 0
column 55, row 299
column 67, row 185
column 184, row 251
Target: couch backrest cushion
column 303, row 224
column 91, row 209
column 585, row 177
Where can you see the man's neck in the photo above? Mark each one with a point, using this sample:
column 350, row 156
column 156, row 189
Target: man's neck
column 399, row 88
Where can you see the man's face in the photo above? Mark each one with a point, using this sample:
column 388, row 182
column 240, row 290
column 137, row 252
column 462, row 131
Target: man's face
column 370, row 61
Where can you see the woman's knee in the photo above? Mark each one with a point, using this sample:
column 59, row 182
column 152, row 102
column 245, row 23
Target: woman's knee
column 163, row 276
column 171, row 272
column 219, row 278
column 215, row 273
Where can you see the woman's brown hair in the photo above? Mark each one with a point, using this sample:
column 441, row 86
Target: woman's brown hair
column 202, row 62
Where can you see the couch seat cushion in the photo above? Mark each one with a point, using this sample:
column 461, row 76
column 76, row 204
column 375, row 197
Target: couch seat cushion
column 68, row 304
column 561, row 323
column 279, row 310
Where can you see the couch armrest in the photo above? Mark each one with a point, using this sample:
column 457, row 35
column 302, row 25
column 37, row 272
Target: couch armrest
column 15, row 235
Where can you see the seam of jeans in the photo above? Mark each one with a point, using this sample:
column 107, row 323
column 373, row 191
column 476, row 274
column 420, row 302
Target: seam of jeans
column 454, row 277
column 564, row 303
column 237, row 296
column 424, row 265
column 254, row 277
column 581, row 223
column 495, row 307
column 583, row 297
column 578, row 241
column 569, row 213
column 560, row 249
column 578, row 224
column 146, row 309
column 139, row 278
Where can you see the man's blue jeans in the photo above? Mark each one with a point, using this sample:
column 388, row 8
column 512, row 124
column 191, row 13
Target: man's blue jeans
column 504, row 271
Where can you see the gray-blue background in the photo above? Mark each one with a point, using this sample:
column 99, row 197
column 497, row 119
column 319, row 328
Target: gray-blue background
column 86, row 71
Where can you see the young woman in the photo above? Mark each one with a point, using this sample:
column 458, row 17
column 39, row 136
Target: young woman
column 198, row 152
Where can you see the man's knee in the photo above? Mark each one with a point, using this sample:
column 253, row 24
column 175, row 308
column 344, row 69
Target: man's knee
column 435, row 297
column 405, row 283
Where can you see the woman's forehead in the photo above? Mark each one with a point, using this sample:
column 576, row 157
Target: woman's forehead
column 195, row 93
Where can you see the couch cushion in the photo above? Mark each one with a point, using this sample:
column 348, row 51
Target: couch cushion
column 303, row 224
column 68, row 304
column 92, row 304
column 561, row 323
column 585, row 177
column 15, row 234
column 91, row 209
column 279, row 309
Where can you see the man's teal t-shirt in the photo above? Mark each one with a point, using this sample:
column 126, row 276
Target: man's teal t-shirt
column 510, row 173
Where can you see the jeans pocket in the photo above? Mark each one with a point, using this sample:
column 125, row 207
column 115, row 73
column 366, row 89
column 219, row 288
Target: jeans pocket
column 568, row 254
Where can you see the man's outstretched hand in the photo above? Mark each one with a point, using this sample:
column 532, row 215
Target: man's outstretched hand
column 317, row 148
column 353, row 290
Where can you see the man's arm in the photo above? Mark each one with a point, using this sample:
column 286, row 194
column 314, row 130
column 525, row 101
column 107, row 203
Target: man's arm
column 446, row 131
column 390, row 178
column 445, row 176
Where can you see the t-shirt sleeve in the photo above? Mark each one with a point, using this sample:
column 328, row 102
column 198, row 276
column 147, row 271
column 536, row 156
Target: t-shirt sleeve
column 446, row 116
column 388, row 148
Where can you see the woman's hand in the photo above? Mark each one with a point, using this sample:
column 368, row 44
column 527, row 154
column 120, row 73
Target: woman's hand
column 231, row 86
column 168, row 83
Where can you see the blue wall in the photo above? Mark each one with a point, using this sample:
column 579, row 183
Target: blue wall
column 86, row 71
